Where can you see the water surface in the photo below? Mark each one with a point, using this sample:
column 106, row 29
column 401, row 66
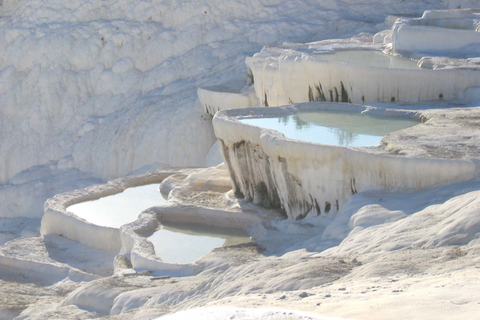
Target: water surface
column 346, row 129
column 116, row 210
column 185, row 243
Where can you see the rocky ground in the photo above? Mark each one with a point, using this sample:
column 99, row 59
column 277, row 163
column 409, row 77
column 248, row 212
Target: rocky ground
column 388, row 255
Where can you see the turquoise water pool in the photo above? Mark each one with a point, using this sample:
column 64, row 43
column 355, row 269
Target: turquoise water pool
column 346, row 129
column 185, row 243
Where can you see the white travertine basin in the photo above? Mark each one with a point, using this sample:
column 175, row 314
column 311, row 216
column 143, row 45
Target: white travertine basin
column 309, row 179
column 284, row 75
column 173, row 244
column 144, row 212
column 369, row 58
column 218, row 98
column 439, row 32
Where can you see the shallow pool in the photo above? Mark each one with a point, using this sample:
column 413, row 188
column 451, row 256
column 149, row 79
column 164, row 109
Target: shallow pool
column 346, row 129
column 119, row 209
column 369, row 58
column 185, row 243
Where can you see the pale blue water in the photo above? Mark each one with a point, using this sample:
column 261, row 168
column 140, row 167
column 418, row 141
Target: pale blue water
column 178, row 243
column 116, row 210
column 186, row 243
column 334, row 128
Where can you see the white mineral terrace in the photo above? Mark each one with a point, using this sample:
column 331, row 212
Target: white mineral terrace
column 368, row 58
column 438, row 32
column 218, row 98
column 286, row 75
column 130, row 216
column 307, row 178
column 181, row 244
column 364, row 70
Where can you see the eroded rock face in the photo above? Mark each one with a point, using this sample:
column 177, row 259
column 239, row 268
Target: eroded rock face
column 256, row 184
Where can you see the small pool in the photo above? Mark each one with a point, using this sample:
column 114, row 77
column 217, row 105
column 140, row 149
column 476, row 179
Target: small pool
column 116, row 210
column 346, row 129
column 186, row 243
column 369, row 58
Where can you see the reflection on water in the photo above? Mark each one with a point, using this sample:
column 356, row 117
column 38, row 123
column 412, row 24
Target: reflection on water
column 185, row 243
column 334, row 128
column 116, row 210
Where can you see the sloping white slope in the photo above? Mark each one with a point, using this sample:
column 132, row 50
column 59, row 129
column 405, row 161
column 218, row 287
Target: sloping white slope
column 439, row 217
column 110, row 86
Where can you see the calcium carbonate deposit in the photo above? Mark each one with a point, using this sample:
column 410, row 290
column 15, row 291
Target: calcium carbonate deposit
column 102, row 96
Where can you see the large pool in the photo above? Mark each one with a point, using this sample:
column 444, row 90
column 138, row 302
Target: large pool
column 185, row 243
column 346, row 129
column 119, row 209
